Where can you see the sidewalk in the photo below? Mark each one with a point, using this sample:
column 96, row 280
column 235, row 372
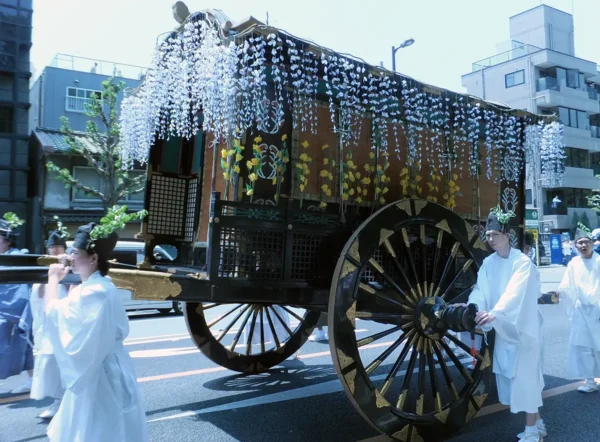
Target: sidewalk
column 551, row 276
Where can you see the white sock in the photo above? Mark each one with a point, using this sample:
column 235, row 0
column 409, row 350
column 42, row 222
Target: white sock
column 591, row 381
column 539, row 421
column 532, row 429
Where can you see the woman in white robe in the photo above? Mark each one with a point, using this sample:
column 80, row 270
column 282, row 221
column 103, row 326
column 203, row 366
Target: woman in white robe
column 46, row 376
column 506, row 293
column 102, row 400
column 580, row 295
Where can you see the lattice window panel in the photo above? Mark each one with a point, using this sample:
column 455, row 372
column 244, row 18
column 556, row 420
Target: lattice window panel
column 166, row 214
column 190, row 216
column 252, row 254
column 306, row 250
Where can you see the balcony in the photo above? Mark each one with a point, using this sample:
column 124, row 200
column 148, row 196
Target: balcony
column 547, row 83
column 551, row 94
column 516, row 52
column 100, row 67
column 582, row 138
column 579, row 178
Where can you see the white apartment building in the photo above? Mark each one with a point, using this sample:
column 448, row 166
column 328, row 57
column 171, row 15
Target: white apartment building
column 537, row 70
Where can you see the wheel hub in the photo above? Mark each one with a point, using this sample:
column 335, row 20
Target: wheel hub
column 434, row 317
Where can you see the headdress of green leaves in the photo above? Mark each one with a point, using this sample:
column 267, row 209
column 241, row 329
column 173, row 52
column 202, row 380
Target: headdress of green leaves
column 585, row 229
column 60, row 228
column 114, row 220
column 13, row 220
column 503, row 217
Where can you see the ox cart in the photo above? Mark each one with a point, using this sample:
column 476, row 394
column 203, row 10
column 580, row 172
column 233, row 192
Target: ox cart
column 295, row 181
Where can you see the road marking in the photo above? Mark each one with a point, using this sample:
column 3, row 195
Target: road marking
column 181, row 374
column 8, row 400
column 328, row 387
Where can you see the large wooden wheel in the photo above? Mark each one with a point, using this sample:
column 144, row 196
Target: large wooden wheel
column 412, row 378
column 249, row 338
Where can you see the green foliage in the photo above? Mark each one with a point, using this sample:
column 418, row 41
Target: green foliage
column 585, row 220
column 114, row 220
column 13, row 220
column 61, row 229
column 584, row 228
column 503, row 217
column 103, row 132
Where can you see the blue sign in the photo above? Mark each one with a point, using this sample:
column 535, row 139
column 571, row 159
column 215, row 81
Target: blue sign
column 556, row 256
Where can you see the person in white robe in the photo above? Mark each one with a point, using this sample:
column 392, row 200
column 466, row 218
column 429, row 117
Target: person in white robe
column 580, row 294
column 46, row 376
column 102, row 399
column 508, row 287
column 16, row 353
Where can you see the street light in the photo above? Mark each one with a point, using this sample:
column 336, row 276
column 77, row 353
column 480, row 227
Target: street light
column 405, row 44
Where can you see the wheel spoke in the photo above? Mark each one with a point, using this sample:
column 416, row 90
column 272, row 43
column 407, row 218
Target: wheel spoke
column 383, row 356
column 436, row 259
column 287, row 329
column 219, row 318
column 468, row 289
column 209, row 306
column 251, row 332
column 423, row 257
column 377, row 267
column 421, row 380
column 241, row 329
column 462, row 345
column 445, row 371
column 407, row 377
column 410, row 260
column 392, row 252
column 372, row 291
column 462, row 271
column 299, row 318
column 237, row 317
column 262, row 330
column 392, row 374
column 383, row 316
column 275, row 338
column 447, row 267
column 377, row 336
column 457, row 362
column 433, row 378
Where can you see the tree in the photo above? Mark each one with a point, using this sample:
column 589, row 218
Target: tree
column 585, row 220
column 103, row 130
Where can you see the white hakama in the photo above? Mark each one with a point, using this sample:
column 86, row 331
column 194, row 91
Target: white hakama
column 46, row 376
column 102, row 401
column 509, row 289
column 580, row 295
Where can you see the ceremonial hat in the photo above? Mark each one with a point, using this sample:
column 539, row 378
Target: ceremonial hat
column 102, row 246
column 56, row 238
column 582, row 232
column 498, row 220
column 9, row 223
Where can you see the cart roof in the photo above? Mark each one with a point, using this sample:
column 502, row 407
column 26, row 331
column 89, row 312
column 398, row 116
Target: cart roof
column 225, row 71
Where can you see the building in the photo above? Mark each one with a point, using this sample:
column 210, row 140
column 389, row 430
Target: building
column 63, row 89
column 15, row 46
column 537, row 70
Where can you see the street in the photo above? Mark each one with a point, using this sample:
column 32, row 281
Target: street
column 188, row 398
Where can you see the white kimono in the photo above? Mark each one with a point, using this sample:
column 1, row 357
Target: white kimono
column 102, row 401
column 509, row 289
column 580, row 294
column 46, row 377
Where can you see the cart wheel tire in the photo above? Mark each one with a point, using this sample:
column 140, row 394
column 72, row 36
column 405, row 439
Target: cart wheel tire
column 408, row 256
column 247, row 355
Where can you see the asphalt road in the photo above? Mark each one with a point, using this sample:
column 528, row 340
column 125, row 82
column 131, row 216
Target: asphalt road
column 188, row 398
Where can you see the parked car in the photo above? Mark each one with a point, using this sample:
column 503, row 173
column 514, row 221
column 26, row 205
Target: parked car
column 132, row 252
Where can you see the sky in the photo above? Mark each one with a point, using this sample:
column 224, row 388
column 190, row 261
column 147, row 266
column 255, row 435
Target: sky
column 449, row 34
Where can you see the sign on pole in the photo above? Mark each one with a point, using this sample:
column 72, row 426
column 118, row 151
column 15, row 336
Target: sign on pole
column 532, row 219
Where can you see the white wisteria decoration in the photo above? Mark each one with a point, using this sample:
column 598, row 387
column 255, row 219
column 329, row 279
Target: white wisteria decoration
column 226, row 85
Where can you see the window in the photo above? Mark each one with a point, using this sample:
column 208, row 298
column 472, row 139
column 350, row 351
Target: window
column 514, row 79
column 88, row 177
column 528, row 196
column 573, row 118
column 77, row 98
column 576, row 197
column 6, row 119
column 572, row 78
column 577, row 158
